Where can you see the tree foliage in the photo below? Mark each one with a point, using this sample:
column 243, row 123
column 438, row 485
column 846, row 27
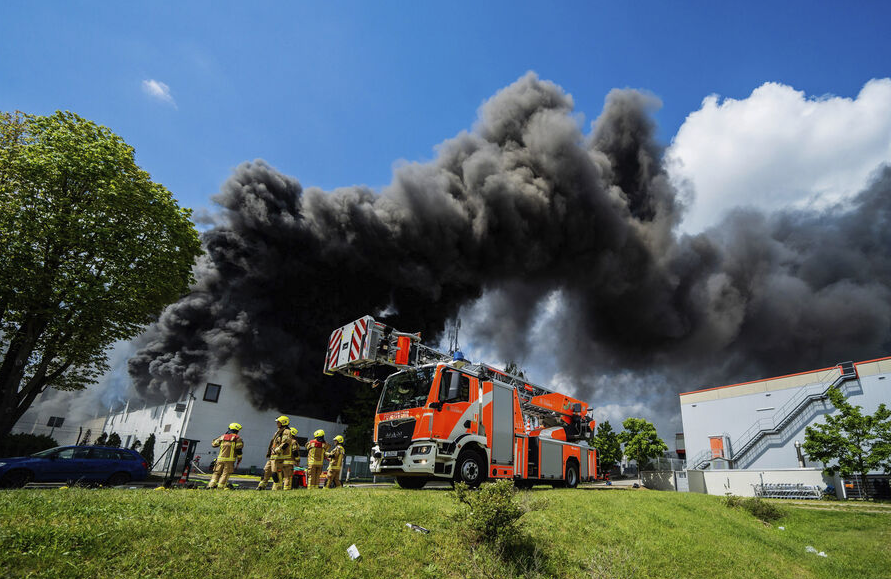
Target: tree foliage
column 148, row 450
column 114, row 439
column 86, row 439
column 102, row 440
column 609, row 450
column 850, row 442
column 23, row 444
column 91, row 250
column 641, row 441
column 359, row 416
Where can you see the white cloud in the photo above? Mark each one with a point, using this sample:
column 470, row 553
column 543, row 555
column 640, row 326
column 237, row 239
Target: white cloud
column 159, row 90
column 779, row 148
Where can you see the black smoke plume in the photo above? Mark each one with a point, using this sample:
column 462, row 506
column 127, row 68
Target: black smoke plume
column 520, row 209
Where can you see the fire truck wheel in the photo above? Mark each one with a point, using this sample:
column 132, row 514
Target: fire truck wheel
column 471, row 469
column 411, row 482
column 572, row 475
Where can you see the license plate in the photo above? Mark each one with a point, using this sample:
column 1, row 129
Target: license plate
column 391, row 453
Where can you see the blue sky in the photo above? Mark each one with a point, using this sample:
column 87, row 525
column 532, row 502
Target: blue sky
column 336, row 93
column 339, row 93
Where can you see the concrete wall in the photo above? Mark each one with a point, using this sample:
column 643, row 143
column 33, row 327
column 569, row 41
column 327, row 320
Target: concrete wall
column 732, row 410
column 660, row 480
column 741, row 482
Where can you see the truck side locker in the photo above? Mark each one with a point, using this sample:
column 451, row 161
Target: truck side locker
column 583, row 467
column 502, row 424
column 551, row 460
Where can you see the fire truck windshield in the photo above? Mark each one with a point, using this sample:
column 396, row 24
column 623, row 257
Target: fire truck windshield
column 407, row 389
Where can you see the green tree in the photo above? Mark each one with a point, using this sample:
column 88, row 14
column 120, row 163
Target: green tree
column 850, row 442
column 114, row 439
column 86, row 439
column 609, row 451
column 148, row 450
column 91, row 250
column 102, row 440
column 136, row 444
column 641, row 441
column 359, row 416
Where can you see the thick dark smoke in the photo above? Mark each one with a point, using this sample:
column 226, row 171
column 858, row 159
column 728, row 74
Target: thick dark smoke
column 523, row 206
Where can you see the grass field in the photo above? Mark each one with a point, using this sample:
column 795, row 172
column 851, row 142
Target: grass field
column 578, row 533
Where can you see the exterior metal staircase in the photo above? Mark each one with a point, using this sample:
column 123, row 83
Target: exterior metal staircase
column 781, row 418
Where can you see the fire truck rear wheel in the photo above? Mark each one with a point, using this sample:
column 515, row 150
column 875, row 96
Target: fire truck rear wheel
column 572, row 475
column 471, row 469
column 411, row 482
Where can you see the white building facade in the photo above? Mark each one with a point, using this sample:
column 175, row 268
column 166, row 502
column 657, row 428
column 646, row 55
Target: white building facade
column 761, row 424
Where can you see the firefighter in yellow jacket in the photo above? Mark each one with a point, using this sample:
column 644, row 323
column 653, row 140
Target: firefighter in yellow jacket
column 315, row 457
column 293, row 458
column 335, row 463
column 280, row 451
column 230, row 445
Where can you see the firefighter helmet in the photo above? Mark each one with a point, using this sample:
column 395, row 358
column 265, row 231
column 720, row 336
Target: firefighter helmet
column 293, row 431
column 234, row 426
column 318, row 433
column 283, row 420
column 338, row 438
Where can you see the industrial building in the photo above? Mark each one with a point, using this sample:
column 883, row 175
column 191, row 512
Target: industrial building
column 760, row 425
column 200, row 415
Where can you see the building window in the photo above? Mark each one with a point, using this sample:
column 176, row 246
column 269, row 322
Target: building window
column 212, row 392
column 166, row 428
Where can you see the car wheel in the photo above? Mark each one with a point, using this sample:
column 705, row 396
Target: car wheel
column 471, row 470
column 411, row 482
column 572, row 475
column 16, row 479
column 118, row 478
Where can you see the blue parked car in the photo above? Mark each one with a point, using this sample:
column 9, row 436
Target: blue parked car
column 112, row 466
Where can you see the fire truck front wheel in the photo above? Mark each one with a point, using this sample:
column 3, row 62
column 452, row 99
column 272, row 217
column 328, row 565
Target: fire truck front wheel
column 572, row 475
column 471, row 469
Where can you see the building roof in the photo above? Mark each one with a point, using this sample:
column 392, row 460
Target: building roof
column 823, row 375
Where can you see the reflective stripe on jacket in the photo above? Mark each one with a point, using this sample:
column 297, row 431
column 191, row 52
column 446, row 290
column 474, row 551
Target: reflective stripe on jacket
column 281, row 444
column 230, row 447
column 336, row 458
column 315, row 452
column 295, row 449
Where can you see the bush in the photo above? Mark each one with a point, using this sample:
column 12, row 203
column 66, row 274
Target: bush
column 491, row 513
column 758, row 508
column 24, row 444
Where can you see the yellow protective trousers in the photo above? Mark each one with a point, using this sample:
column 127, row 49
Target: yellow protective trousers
column 314, row 472
column 221, row 473
column 267, row 474
column 333, row 479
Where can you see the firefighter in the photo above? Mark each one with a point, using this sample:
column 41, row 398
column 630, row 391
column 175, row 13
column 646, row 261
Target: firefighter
column 231, row 446
column 291, row 460
column 279, row 451
column 315, row 456
column 335, row 463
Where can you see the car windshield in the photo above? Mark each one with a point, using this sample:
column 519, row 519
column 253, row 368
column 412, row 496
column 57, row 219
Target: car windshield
column 47, row 453
column 407, row 389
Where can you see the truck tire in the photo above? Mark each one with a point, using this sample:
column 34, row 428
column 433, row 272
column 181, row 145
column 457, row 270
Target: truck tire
column 411, row 482
column 470, row 469
column 572, row 475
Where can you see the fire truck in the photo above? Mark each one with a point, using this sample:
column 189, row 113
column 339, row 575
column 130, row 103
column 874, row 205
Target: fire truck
column 442, row 417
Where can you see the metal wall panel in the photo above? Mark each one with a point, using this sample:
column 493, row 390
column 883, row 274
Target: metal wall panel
column 502, row 424
column 586, row 454
column 551, row 459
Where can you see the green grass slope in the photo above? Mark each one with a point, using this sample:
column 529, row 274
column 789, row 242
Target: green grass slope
column 577, row 533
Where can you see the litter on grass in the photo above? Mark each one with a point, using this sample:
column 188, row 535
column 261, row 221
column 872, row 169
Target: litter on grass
column 417, row 528
column 353, row 552
column 810, row 549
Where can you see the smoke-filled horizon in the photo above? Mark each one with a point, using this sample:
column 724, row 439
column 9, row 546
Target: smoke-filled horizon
column 523, row 208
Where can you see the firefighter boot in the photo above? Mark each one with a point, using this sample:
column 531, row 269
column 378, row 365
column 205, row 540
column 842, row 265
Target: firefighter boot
column 276, row 482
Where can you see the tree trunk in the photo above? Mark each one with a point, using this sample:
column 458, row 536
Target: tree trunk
column 12, row 370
